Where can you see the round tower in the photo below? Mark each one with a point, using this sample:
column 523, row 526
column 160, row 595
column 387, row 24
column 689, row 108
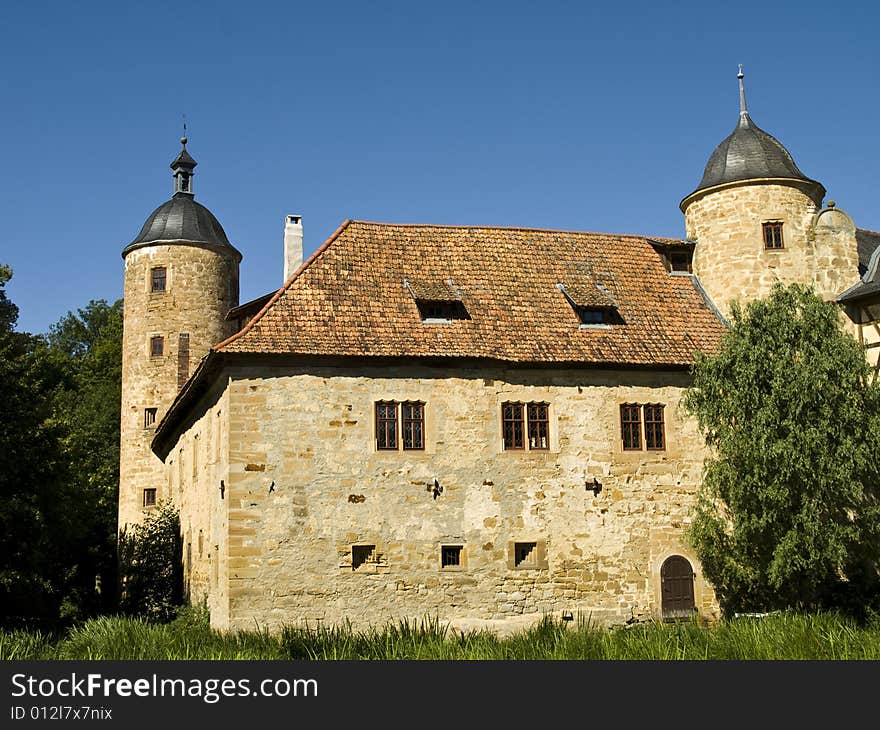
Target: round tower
column 181, row 279
column 751, row 216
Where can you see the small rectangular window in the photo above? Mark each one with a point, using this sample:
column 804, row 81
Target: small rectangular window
column 413, row 425
column 630, row 426
column 158, row 277
column 149, row 497
column 386, row 426
column 150, row 417
column 772, row 235
column 512, row 426
column 450, row 556
column 525, row 554
column 654, row 431
column 157, row 346
column 362, row 554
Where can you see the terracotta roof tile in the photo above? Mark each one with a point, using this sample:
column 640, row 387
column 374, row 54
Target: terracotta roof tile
column 349, row 298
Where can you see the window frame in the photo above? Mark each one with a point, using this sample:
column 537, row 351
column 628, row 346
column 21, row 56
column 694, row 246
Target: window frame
column 408, row 424
column 404, row 421
column 152, row 493
column 150, row 415
column 646, row 418
column 458, row 549
column 522, row 422
column 154, row 351
column 656, row 434
column 772, row 233
column 153, row 279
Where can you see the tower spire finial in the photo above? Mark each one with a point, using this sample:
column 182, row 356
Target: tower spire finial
column 183, row 139
column 743, row 111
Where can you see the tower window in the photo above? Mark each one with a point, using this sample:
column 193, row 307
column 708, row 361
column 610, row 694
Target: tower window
column 184, row 183
column 182, row 359
column 150, row 416
column 157, row 346
column 150, row 497
column 772, row 234
column 157, row 279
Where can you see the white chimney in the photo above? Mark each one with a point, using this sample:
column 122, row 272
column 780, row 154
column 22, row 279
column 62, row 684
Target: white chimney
column 293, row 245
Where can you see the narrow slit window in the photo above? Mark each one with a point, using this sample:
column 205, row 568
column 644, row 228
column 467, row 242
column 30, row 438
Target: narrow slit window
column 386, row 426
column 158, row 277
column 157, row 346
column 412, row 422
column 150, row 497
column 150, row 417
column 773, row 235
column 630, row 426
column 182, row 359
column 512, row 426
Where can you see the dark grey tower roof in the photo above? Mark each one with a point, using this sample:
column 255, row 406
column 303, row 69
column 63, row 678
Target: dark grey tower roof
column 182, row 218
column 750, row 153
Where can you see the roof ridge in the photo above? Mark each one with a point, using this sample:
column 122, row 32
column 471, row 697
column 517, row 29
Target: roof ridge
column 509, row 228
column 284, row 287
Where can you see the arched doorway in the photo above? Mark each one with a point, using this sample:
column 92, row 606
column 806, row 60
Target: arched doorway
column 677, row 588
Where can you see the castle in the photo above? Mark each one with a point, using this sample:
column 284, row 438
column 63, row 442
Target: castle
column 478, row 424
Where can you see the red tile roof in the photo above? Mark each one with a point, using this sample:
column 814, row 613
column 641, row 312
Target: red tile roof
column 349, row 298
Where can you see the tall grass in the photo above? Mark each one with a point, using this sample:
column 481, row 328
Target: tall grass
column 783, row 636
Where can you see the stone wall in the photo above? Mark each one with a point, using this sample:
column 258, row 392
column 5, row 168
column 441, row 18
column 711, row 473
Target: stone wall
column 305, row 484
column 730, row 259
column 201, row 287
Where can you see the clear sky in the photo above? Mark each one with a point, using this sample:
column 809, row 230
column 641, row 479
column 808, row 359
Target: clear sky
column 571, row 115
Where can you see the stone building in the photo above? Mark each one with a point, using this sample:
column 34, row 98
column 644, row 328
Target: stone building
column 478, row 424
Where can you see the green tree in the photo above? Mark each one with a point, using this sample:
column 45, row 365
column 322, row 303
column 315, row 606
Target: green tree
column 34, row 524
column 59, row 455
column 788, row 512
column 87, row 349
column 150, row 567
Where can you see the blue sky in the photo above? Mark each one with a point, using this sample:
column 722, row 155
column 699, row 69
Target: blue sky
column 578, row 116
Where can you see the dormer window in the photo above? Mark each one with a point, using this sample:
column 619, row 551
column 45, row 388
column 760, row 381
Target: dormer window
column 592, row 303
column 680, row 261
column 593, row 315
column 440, row 311
column 437, row 301
column 772, row 235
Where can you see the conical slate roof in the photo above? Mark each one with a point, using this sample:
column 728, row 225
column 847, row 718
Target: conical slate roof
column 180, row 219
column 749, row 153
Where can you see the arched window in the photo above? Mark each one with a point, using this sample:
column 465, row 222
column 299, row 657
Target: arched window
column 677, row 588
